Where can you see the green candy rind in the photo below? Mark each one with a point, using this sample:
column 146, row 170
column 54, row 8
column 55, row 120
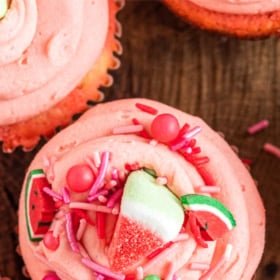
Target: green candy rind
column 152, row 277
column 191, row 199
column 142, row 188
column 150, row 171
column 3, row 8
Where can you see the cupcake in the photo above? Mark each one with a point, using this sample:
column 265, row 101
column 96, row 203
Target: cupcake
column 54, row 56
column 242, row 18
column 136, row 189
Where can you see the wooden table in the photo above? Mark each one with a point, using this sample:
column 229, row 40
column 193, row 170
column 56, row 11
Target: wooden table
column 230, row 83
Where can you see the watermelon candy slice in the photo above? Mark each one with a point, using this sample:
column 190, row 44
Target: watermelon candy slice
column 39, row 207
column 150, row 216
column 213, row 218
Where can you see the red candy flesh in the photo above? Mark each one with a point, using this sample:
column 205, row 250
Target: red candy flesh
column 79, row 178
column 51, row 242
column 130, row 244
column 165, row 128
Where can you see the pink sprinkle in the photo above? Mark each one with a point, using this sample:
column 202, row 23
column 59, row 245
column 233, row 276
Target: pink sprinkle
column 161, row 180
column 208, row 189
column 65, row 195
column 101, row 174
column 181, row 237
column 95, row 196
column 170, row 272
column 102, row 270
column 96, row 159
column 139, row 273
column 90, row 207
column 110, row 185
column 180, row 143
column 219, row 264
column 116, row 209
column 258, row 127
column 81, row 229
column 102, row 198
column 99, row 277
column 70, row 234
column 199, row 266
column 146, row 108
column 52, row 193
column 153, row 142
column 57, row 228
column 115, row 198
column 128, row 129
column 272, row 149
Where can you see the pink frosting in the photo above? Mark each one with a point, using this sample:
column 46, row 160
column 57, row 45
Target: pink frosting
column 46, row 48
column 93, row 132
column 239, row 6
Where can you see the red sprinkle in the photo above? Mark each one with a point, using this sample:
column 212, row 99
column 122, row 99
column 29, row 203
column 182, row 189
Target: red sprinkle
column 146, row 108
column 159, row 250
column 132, row 167
column 246, row 161
column 144, row 133
column 196, row 230
column 58, row 204
column 100, row 224
column 83, row 215
column 51, row 242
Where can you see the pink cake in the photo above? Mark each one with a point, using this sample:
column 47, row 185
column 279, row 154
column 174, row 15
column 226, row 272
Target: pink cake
column 136, row 189
column 52, row 63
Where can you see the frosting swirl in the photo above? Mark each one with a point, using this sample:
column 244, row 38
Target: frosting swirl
column 93, row 132
column 239, row 6
column 46, row 48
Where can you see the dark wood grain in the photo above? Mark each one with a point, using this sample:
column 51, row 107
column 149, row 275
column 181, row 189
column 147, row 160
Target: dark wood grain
column 230, row 83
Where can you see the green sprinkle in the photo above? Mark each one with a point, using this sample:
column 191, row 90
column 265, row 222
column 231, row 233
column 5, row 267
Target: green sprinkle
column 152, row 277
column 3, row 8
column 150, row 171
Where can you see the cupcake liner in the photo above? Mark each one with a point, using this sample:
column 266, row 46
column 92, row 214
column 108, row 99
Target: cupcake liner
column 246, row 26
column 27, row 133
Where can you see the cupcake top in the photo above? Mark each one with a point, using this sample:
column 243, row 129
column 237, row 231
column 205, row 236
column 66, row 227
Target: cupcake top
column 138, row 190
column 239, row 6
column 46, row 48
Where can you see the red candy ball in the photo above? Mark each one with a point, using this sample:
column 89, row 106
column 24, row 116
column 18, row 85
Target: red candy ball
column 165, row 128
column 51, row 242
column 79, row 178
column 51, row 276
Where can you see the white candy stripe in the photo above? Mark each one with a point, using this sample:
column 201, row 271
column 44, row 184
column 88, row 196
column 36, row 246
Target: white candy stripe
column 211, row 209
column 155, row 221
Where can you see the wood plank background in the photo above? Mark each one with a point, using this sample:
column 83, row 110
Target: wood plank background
column 230, row 83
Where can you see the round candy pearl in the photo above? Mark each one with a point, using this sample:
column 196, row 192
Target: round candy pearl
column 80, row 178
column 51, row 276
column 165, row 128
column 152, row 277
column 51, row 242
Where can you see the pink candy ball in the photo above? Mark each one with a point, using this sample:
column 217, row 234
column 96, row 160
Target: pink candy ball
column 51, row 242
column 165, row 128
column 51, row 276
column 79, row 178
